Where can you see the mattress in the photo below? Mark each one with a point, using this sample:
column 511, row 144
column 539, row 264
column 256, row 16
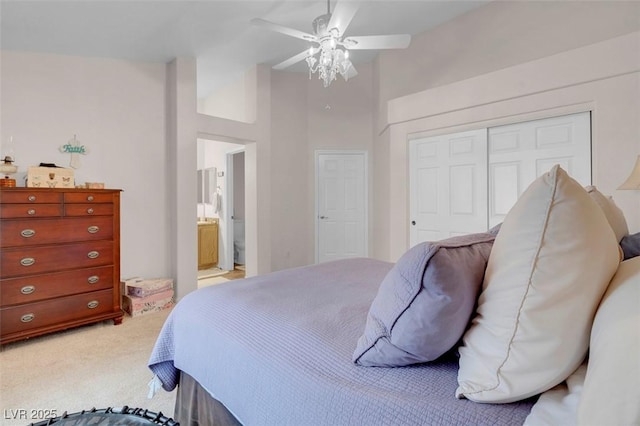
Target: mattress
column 277, row 350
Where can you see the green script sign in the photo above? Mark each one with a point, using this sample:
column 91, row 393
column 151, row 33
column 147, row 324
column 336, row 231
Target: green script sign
column 73, row 149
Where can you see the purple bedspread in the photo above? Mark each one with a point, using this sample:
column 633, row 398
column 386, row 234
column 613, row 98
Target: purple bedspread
column 276, row 350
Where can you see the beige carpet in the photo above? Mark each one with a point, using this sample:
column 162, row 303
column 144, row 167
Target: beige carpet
column 99, row 366
column 211, row 272
column 205, row 282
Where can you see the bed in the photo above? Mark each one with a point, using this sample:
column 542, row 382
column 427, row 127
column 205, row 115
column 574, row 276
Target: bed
column 295, row 347
column 281, row 353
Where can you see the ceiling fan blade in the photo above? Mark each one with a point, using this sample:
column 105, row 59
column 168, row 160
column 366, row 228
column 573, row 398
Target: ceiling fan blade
column 342, row 14
column 295, row 59
column 351, row 72
column 282, row 29
column 398, row 41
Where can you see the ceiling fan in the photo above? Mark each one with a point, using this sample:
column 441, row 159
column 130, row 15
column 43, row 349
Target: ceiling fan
column 329, row 51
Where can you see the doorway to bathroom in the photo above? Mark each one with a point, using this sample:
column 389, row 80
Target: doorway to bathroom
column 221, row 208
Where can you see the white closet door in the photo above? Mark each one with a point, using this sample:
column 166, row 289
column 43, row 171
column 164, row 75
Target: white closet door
column 521, row 152
column 448, row 185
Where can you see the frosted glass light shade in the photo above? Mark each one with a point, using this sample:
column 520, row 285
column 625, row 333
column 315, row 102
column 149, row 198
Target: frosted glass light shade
column 633, row 181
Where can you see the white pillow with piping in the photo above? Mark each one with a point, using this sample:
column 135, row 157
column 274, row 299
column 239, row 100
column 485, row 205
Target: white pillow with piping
column 611, row 393
column 559, row 405
column 614, row 214
column 549, row 267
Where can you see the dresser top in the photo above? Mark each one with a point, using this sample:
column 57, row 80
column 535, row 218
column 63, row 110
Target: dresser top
column 23, row 188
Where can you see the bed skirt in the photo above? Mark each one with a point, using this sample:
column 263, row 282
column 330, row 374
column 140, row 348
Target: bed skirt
column 195, row 407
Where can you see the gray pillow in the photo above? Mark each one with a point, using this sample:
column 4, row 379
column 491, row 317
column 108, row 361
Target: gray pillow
column 630, row 245
column 425, row 302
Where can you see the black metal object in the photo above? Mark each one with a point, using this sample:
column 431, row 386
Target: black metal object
column 110, row 416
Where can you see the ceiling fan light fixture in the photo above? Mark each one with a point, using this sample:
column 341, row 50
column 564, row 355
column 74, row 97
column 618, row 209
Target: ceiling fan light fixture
column 331, row 55
column 332, row 60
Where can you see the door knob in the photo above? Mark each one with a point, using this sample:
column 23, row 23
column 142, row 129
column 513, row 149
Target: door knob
column 413, row 222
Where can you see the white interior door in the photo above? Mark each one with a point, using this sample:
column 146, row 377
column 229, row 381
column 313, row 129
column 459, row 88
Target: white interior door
column 228, row 213
column 341, row 205
column 448, row 187
column 519, row 153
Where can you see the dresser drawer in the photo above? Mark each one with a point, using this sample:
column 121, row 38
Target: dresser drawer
column 8, row 211
column 17, row 262
column 87, row 197
column 15, row 291
column 30, row 197
column 100, row 209
column 17, row 233
column 26, row 317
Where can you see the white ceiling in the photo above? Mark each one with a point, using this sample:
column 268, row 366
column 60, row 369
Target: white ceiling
column 217, row 32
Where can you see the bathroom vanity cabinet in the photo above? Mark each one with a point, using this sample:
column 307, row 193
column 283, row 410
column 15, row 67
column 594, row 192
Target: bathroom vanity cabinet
column 207, row 243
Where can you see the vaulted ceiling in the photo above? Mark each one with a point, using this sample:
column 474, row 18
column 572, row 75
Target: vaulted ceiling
column 216, row 32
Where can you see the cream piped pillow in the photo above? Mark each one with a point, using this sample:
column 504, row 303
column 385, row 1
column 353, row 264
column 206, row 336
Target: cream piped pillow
column 614, row 214
column 548, row 269
column 611, row 393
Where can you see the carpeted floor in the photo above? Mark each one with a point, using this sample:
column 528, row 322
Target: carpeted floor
column 211, row 272
column 99, row 366
column 205, row 282
column 236, row 274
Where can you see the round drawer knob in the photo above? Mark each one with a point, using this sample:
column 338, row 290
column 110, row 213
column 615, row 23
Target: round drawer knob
column 31, row 212
column 93, row 279
column 93, row 304
column 89, row 211
column 93, row 254
column 27, row 233
column 93, row 229
column 27, row 317
column 90, row 198
column 28, row 289
column 31, row 198
column 27, row 261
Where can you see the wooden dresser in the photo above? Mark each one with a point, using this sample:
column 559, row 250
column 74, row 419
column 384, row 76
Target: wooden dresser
column 59, row 260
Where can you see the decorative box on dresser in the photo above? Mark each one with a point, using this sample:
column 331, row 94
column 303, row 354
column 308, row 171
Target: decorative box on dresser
column 59, row 260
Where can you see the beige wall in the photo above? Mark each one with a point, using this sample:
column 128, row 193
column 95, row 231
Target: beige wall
column 290, row 186
column 117, row 109
column 499, row 35
column 235, row 101
column 181, row 165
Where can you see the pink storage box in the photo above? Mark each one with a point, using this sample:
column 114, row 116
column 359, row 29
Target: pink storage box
column 146, row 288
column 126, row 282
column 136, row 306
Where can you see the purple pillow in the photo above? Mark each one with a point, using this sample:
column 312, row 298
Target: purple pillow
column 425, row 302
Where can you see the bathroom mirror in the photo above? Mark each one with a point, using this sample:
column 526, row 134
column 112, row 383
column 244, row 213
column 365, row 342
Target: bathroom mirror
column 206, row 185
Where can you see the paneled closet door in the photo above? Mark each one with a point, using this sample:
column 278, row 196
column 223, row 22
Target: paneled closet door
column 448, row 185
column 467, row 182
column 519, row 153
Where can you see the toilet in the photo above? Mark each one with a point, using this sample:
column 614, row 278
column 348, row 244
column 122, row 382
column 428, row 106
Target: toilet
column 238, row 241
